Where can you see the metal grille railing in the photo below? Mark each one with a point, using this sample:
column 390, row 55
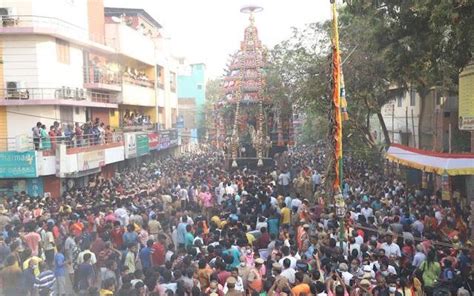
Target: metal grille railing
column 64, row 93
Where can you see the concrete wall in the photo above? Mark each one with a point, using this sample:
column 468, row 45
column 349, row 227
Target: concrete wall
column 138, row 95
column 129, row 42
column 95, row 10
column 21, row 119
column 32, row 61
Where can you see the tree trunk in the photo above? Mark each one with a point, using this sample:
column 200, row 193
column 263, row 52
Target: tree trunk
column 386, row 135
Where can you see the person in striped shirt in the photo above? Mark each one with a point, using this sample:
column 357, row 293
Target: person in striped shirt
column 44, row 282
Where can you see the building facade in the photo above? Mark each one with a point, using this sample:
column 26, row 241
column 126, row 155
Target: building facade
column 70, row 64
column 192, row 97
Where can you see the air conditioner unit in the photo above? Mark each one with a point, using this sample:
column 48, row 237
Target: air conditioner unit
column 81, row 94
column 15, row 90
column 67, row 93
column 9, row 16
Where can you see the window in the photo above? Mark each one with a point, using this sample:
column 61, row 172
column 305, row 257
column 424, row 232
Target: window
column 62, row 51
column 399, row 101
column 199, row 86
column 412, row 97
column 173, row 81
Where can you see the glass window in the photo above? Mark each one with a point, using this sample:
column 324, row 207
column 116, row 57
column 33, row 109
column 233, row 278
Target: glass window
column 399, row 100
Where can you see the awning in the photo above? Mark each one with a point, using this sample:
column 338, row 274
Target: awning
column 432, row 162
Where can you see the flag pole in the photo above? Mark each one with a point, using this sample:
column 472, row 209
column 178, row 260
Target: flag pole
column 336, row 94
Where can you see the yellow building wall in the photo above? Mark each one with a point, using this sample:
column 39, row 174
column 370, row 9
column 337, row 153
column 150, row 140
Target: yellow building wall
column 152, row 113
column 114, row 119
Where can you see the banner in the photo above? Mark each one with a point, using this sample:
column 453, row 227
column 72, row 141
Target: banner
column 35, row 187
column 90, row 160
column 164, row 139
column 153, row 141
column 15, row 164
column 466, row 98
column 174, row 137
column 142, row 144
column 130, row 145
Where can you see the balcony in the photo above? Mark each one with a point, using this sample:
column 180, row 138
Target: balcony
column 34, row 24
column 57, row 96
column 138, row 92
column 102, row 78
column 130, row 43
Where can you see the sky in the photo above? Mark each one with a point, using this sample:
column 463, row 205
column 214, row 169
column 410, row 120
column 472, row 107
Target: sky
column 208, row 31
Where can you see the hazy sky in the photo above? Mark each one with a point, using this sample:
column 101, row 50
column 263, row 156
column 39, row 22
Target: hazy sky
column 209, row 30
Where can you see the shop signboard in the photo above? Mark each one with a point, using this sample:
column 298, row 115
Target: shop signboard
column 173, row 137
column 91, row 159
column 153, row 141
column 142, row 144
column 14, row 164
column 130, row 145
column 164, row 139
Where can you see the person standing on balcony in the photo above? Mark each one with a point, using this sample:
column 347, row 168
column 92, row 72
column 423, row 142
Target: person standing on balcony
column 45, row 141
column 102, row 133
column 108, row 135
column 78, row 132
column 52, row 136
column 37, row 135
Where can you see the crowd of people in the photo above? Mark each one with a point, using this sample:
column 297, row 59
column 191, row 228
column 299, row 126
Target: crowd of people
column 79, row 135
column 136, row 119
column 187, row 226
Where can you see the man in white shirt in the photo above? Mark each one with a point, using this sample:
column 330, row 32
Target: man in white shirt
column 390, row 248
column 366, row 211
column 284, row 180
column 288, row 272
column 286, row 253
column 345, row 274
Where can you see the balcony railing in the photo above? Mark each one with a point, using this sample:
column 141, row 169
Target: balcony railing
column 64, row 93
column 101, row 75
column 49, row 144
column 139, row 127
column 139, row 82
column 53, row 24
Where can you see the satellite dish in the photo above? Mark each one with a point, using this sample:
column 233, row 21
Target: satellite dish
column 116, row 20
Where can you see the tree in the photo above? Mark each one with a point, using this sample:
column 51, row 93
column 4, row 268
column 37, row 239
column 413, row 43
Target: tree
column 425, row 43
column 303, row 62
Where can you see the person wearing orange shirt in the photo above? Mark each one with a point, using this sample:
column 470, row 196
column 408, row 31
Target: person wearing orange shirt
column 300, row 288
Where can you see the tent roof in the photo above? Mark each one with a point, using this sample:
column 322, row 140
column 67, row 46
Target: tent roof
column 432, row 162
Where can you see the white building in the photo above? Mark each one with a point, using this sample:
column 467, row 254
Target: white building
column 401, row 118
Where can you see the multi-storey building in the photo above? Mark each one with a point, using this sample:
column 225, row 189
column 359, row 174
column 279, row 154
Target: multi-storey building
column 67, row 63
column 192, row 98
